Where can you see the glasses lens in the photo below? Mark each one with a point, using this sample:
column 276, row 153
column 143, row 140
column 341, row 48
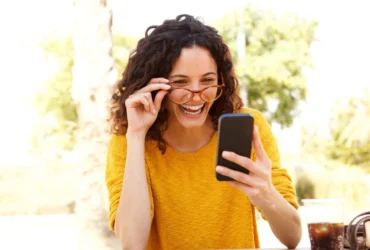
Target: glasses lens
column 180, row 96
column 211, row 93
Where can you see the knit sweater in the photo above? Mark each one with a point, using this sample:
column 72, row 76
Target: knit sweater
column 190, row 209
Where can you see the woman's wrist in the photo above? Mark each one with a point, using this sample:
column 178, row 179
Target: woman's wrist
column 135, row 136
column 271, row 201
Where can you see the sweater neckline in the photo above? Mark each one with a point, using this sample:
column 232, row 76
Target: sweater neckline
column 205, row 148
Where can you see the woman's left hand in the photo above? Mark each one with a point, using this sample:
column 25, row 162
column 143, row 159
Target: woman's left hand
column 257, row 185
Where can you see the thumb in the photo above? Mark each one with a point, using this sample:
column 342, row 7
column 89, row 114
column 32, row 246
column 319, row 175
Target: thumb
column 159, row 98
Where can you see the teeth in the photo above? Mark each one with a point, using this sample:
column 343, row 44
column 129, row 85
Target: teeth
column 192, row 113
column 193, row 107
column 195, row 110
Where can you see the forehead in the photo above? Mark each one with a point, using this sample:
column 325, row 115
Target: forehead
column 194, row 61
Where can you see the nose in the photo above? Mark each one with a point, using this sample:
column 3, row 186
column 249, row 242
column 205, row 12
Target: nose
column 196, row 96
column 195, row 85
column 196, row 88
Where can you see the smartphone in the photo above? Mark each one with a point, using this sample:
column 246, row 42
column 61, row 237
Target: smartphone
column 235, row 133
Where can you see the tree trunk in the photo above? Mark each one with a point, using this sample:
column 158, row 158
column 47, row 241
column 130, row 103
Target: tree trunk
column 93, row 79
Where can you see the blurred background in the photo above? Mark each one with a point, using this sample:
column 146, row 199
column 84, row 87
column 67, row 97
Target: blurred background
column 304, row 64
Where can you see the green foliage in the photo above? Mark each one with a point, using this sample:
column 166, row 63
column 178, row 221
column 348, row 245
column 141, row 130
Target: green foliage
column 332, row 179
column 337, row 180
column 53, row 101
column 350, row 132
column 276, row 53
column 305, row 188
column 312, row 142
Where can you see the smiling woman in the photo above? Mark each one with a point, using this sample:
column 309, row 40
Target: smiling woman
column 161, row 160
column 186, row 54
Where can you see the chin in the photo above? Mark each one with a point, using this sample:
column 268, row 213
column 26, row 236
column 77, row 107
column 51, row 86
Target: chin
column 192, row 119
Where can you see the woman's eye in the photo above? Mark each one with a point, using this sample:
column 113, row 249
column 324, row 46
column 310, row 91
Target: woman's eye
column 209, row 80
column 179, row 82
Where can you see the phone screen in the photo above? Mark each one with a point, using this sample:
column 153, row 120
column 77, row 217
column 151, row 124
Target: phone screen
column 235, row 135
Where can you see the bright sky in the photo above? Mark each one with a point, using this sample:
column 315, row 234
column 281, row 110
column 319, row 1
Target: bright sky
column 340, row 55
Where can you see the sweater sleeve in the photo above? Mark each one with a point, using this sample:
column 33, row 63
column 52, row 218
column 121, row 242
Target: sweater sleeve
column 280, row 176
column 115, row 168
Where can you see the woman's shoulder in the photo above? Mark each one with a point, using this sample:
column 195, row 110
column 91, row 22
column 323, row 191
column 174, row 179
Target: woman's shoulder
column 259, row 119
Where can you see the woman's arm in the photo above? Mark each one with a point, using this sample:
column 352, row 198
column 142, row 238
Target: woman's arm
column 258, row 186
column 283, row 219
column 268, row 186
column 134, row 210
column 133, row 217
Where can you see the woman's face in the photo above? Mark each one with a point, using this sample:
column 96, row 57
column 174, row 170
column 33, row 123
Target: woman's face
column 195, row 70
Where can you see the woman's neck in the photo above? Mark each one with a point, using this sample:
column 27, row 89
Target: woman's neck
column 188, row 139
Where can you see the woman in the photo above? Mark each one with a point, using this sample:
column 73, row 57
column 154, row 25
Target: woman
column 160, row 166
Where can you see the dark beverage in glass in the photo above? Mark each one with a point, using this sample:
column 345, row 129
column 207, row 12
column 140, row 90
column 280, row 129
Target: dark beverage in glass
column 326, row 236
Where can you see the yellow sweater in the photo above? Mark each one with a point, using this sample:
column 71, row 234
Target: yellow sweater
column 190, row 208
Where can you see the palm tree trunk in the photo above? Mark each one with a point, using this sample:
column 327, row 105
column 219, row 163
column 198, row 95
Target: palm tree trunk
column 93, row 79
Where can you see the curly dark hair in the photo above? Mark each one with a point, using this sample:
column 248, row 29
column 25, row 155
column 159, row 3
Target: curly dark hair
column 155, row 56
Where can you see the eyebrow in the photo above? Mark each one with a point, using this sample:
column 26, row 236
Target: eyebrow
column 185, row 76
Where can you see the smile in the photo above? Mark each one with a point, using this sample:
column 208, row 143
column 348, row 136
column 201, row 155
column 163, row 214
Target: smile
column 192, row 110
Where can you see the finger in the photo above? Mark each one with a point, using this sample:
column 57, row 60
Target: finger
column 244, row 162
column 153, row 87
column 144, row 100
column 159, row 98
column 151, row 108
column 148, row 104
column 236, row 175
column 159, row 80
column 258, row 147
column 136, row 100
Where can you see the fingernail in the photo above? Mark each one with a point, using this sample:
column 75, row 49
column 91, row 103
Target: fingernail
column 168, row 86
column 219, row 169
column 226, row 153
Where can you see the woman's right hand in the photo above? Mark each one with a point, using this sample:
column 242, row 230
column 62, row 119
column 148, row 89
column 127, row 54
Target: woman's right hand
column 141, row 110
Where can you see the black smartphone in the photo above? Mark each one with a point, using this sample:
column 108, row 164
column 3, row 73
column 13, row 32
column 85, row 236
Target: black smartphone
column 235, row 133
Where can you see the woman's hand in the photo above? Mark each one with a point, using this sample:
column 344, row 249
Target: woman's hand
column 141, row 110
column 283, row 218
column 257, row 184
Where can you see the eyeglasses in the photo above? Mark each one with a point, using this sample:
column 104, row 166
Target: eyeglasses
column 180, row 95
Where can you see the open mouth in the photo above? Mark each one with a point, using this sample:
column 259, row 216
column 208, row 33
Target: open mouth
column 192, row 110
